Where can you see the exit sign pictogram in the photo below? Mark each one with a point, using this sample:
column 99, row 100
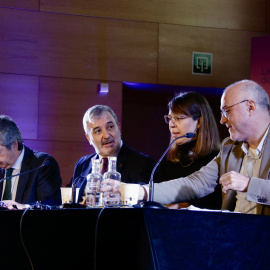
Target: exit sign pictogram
column 202, row 63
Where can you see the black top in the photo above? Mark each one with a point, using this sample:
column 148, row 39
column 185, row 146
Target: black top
column 169, row 170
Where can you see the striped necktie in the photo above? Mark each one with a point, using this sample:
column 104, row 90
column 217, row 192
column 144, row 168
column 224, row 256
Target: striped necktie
column 7, row 193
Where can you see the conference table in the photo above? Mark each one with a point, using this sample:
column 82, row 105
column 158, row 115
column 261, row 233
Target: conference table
column 133, row 238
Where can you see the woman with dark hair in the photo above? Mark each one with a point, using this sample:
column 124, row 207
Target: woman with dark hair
column 190, row 112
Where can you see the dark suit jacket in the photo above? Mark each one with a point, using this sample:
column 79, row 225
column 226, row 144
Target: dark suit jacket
column 40, row 185
column 134, row 167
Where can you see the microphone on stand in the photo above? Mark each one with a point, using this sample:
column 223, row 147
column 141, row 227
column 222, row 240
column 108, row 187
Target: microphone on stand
column 45, row 163
column 150, row 203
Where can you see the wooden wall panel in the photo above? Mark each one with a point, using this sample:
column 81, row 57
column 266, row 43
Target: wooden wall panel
column 28, row 4
column 63, row 103
column 136, row 41
column 66, row 154
column 49, row 44
column 229, row 14
column 231, row 55
column 19, row 100
column 268, row 16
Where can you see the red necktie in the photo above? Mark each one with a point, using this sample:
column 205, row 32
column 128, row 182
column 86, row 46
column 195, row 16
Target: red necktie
column 104, row 165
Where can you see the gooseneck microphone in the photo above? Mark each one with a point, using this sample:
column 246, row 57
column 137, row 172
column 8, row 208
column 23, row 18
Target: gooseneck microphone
column 45, row 163
column 150, row 203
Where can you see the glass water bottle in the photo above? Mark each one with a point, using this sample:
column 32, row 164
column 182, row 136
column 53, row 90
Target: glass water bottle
column 93, row 194
column 112, row 193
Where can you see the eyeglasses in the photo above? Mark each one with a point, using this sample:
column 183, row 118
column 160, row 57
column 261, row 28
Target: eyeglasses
column 176, row 119
column 226, row 111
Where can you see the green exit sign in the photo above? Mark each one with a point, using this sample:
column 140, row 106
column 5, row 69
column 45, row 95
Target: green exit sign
column 202, row 63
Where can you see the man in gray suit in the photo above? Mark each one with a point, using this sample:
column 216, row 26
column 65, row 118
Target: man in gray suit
column 242, row 166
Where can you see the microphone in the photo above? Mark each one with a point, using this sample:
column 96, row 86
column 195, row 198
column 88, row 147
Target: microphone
column 45, row 163
column 151, row 203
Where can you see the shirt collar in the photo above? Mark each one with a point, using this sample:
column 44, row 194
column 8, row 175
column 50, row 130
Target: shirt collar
column 18, row 163
column 245, row 145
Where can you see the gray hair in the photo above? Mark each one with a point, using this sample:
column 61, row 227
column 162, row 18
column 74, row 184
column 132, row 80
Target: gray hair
column 95, row 112
column 254, row 91
column 9, row 133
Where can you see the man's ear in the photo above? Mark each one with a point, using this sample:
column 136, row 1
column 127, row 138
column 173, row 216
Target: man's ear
column 251, row 106
column 15, row 145
column 88, row 138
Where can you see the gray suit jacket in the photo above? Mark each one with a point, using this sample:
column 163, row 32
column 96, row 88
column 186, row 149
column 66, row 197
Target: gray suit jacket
column 203, row 182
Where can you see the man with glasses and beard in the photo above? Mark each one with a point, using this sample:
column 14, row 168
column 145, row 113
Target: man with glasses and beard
column 242, row 167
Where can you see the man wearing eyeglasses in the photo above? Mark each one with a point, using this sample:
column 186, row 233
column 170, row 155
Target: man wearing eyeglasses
column 242, row 166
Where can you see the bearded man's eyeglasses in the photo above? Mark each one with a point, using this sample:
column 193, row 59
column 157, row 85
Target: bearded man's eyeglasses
column 226, row 110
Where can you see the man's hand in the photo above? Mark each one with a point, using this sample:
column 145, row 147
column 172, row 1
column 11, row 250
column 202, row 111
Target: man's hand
column 109, row 185
column 12, row 205
column 234, row 181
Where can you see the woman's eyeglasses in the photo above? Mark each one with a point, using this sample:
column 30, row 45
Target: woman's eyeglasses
column 175, row 119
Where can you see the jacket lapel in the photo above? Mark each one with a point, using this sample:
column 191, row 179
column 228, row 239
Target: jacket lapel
column 121, row 158
column 265, row 164
column 23, row 179
column 265, row 173
column 88, row 167
column 235, row 158
column 2, row 175
column 89, row 170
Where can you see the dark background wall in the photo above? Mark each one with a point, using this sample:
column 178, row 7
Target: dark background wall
column 144, row 106
column 55, row 53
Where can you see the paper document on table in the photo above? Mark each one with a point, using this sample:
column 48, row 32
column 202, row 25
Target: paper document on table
column 194, row 208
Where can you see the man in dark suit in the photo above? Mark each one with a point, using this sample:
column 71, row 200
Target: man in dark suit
column 42, row 185
column 102, row 130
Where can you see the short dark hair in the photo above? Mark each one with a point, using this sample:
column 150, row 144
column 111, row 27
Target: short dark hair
column 9, row 133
